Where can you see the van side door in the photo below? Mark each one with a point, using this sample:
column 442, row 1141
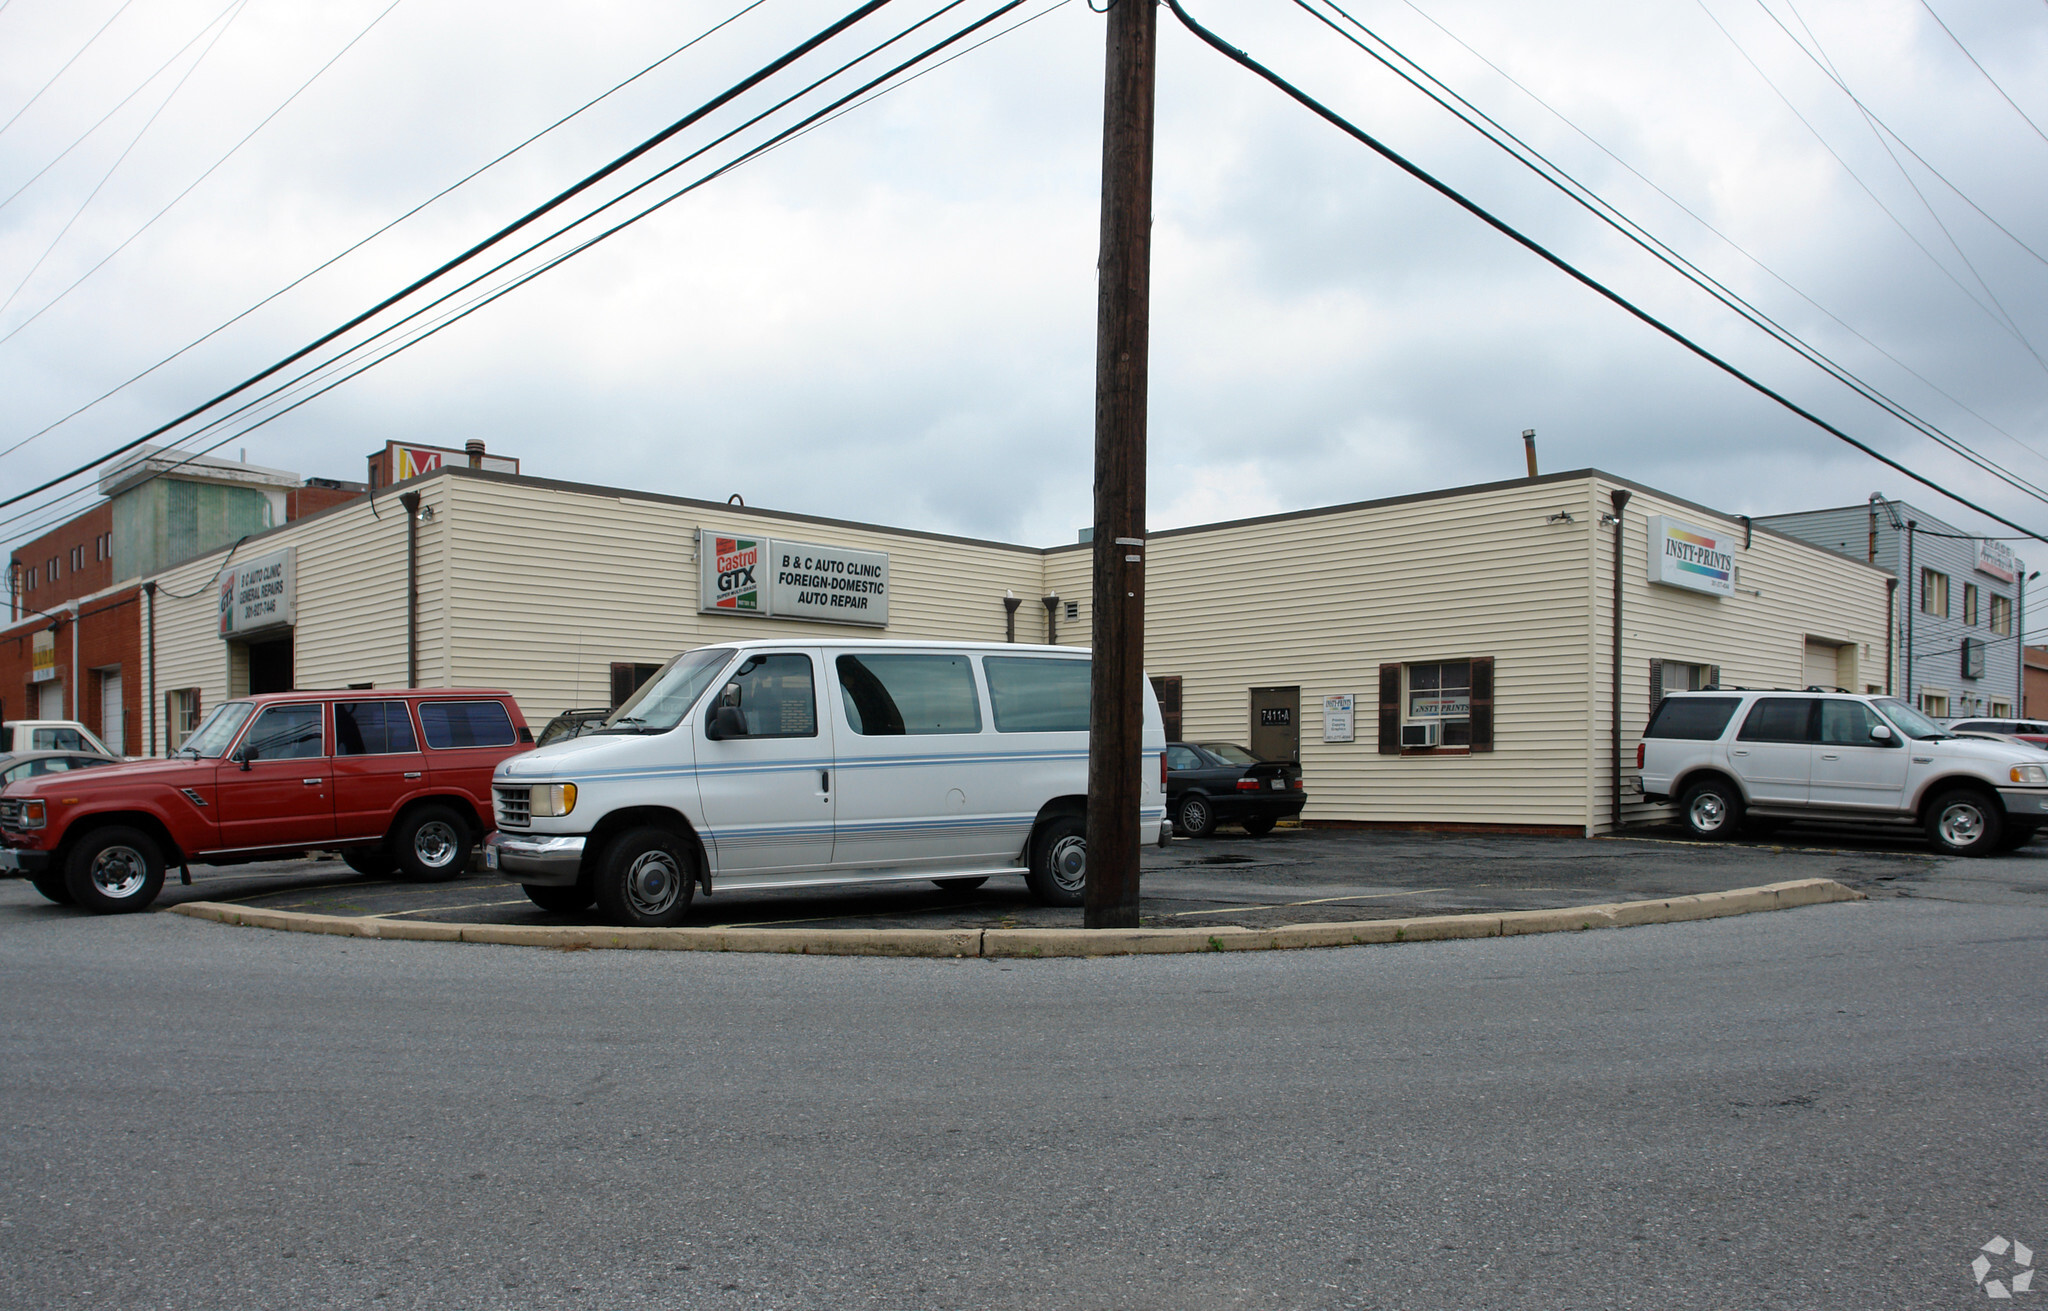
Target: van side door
column 918, row 786
column 765, row 769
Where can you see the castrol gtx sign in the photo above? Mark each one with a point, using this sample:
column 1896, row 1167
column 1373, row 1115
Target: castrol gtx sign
column 793, row 580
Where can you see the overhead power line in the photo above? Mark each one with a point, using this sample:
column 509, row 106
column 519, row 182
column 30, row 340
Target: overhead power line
column 467, row 178
column 1985, row 71
column 310, row 378
column 1544, row 167
column 548, row 206
column 67, row 65
column 1405, row 165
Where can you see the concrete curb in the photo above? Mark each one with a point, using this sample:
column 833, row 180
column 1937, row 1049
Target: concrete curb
column 1032, row 943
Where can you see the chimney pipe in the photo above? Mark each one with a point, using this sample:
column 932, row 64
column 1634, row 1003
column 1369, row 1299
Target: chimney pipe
column 1529, row 447
column 475, row 447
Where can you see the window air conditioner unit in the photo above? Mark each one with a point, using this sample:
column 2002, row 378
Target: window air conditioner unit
column 1418, row 735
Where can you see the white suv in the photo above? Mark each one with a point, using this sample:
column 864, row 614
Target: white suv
column 1779, row 755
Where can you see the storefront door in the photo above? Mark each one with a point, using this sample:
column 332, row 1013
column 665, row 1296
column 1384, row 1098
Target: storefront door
column 1276, row 723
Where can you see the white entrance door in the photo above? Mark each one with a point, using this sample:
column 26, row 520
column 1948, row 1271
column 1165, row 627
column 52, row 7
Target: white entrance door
column 50, row 701
column 110, row 711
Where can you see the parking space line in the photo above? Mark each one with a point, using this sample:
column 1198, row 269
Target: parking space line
column 422, row 910
column 1315, row 901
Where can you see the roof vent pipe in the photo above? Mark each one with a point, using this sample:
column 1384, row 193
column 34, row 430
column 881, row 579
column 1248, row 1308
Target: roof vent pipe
column 475, row 447
column 1529, row 448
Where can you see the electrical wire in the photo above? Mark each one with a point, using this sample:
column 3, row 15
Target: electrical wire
column 554, row 202
column 1985, row 71
column 358, row 245
column 1529, row 157
column 1727, row 240
column 140, row 87
column 1854, row 176
column 1399, row 161
column 67, row 65
column 424, row 331
column 189, row 187
column 122, row 158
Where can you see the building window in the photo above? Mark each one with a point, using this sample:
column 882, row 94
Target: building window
column 1934, row 704
column 1973, row 657
column 78, row 559
column 1667, row 676
column 2001, row 615
column 50, row 569
column 181, row 714
column 1443, row 705
column 33, row 572
column 1970, row 604
column 1934, row 593
column 2001, row 710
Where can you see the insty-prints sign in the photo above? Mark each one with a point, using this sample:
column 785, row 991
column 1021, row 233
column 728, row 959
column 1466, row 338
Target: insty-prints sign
column 1693, row 558
column 1337, row 713
column 793, row 580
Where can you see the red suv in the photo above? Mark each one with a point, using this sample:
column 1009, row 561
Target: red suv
column 397, row 781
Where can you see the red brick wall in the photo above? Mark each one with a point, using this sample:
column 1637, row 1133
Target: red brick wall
column 109, row 634
column 302, row 501
column 87, row 532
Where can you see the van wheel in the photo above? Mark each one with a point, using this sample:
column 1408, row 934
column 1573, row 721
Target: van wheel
column 562, row 901
column 1712, row 809
column 433, row 844
column 115, row 869
column 646, row 879
column 1195, row 818
column 1963, row 822
column 1059, row 861
column 961, row 885
column 373, row 862
column 52, row 886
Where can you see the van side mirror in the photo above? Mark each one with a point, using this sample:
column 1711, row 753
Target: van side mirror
column 1880, row 734
column 726, row 722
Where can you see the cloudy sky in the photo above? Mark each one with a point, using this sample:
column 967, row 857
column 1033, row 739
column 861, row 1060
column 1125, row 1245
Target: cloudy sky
column 892, row 317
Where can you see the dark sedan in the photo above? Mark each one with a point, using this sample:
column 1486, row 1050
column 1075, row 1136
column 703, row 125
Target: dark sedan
column 1211, row 783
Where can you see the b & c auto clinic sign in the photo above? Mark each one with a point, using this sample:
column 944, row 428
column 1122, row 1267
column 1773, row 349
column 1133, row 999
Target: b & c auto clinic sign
column 792, row 580
column 256, row 594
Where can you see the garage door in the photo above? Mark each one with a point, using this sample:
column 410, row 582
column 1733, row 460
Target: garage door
column 110, row 711
column 1819, row 667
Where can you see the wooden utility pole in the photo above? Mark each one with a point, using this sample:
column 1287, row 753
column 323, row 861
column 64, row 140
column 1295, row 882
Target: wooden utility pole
column 1122, row 340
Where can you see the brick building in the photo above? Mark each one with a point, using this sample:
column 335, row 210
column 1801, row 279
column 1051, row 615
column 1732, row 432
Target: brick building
column 74, row 645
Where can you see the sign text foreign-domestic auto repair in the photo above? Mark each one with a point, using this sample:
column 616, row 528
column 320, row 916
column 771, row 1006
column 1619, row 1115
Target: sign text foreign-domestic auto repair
column 1693, row 558
column 793, row 580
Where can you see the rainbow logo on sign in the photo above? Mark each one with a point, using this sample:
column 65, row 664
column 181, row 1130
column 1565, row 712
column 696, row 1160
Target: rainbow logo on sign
column 1684, row 556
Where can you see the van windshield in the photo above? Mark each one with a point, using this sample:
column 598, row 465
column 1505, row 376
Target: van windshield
column 664, row 699
column 210, row 740
column 1910, row 721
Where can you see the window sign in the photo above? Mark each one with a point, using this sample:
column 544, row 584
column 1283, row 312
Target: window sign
column 1337, row 718
column 42, row 656
column 1693, row 558
column 1443, row 694
column 792, row 580
column 256, row 594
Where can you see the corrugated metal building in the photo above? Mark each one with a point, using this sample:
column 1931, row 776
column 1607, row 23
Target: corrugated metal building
column 1443, row 659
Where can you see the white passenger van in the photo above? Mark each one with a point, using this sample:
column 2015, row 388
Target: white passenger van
column 797, row 764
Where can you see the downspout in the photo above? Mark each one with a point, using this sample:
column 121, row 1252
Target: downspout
column 1912, row 580
column 149, row 591
column 1891, row 625
column 411, row 502
column 77, row 706
column 1620, row 497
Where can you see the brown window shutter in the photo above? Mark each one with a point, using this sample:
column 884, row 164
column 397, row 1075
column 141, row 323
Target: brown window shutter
column 622, row 683
column 1656, row 686
column 1390, row 710
column 1482, row 703
column 1166, row 687
column 1714, row 676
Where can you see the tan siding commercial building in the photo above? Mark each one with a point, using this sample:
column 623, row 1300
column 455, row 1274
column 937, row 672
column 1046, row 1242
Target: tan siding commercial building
column 1476, row 624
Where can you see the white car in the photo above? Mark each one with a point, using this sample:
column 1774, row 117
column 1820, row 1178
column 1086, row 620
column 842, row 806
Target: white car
column 807, row 763
column 1726, row 756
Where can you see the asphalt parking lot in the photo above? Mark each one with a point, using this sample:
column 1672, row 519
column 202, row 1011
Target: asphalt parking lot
column 1292, row 876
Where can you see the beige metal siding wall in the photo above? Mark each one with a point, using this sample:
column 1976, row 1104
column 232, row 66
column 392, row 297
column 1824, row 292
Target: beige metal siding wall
column 549, row 587
column 1320, row 601
column 1787, row 591
column 350, row 602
